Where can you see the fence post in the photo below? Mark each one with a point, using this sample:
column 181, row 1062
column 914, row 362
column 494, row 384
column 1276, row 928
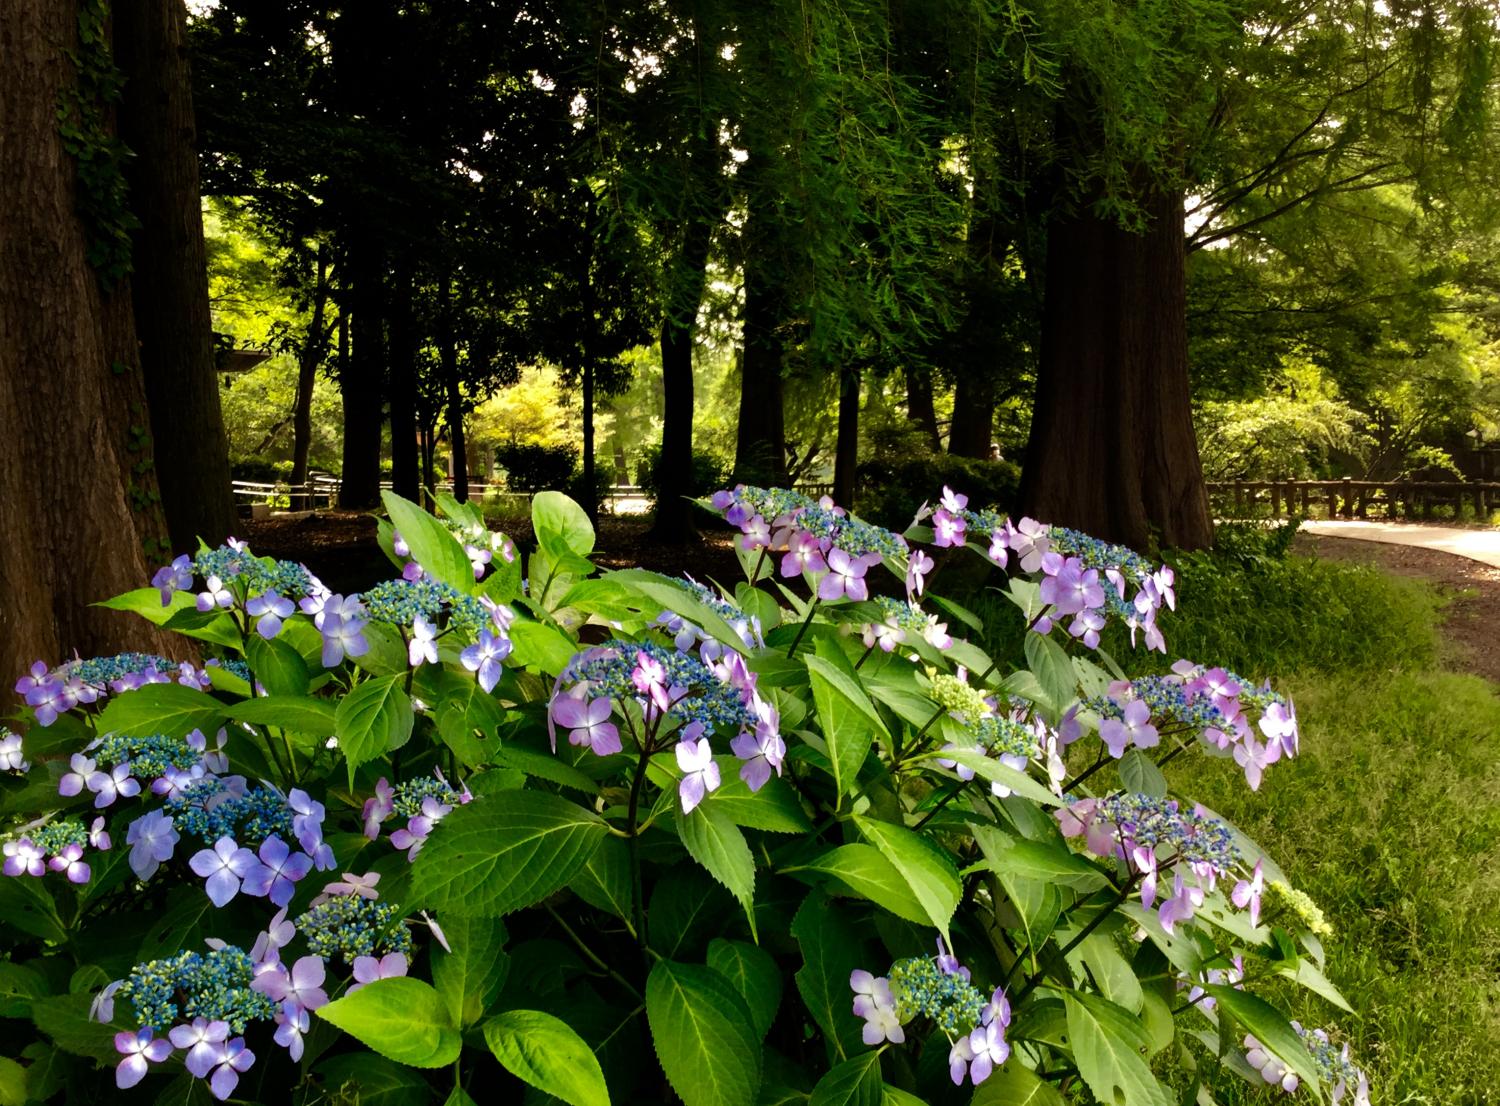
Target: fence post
column 1348, row 497
column 1239, row 498
column 1275, row 499
column 1306, row 500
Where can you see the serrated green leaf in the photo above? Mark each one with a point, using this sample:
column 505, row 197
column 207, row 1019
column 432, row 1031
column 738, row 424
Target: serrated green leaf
column 754, row 974
column 1052, row 668
column 373, row 1080
column 497, row 855
column 1140, row 774
column 169, row 709
column 470, row 976
column 991, row 770
column 373, row 718
column 864, row 870
column 297, row 713
column 561, row 525
column 855, row 1082
column 544, row 1051
column 1110, row 1048
column 846, row 728
column 440, row 554
column 542, row 647
column 1012, row 1084
column 1271, row 1028
column 604, row 881
column 927, row 869
column 277, row 666
column 1040, row 860
column 403, row 1019
column 717, row 843
column 831, row 950
column 703, row 1034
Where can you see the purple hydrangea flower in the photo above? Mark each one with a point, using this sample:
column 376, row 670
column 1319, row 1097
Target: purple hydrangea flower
column 114, row 784
column 301, row 984
column 422, row 649
column 700, row 773
column 587, row 722
column 846, row 578
column 269, row 610
column 72, row 782
column 874, row 1002
column 223, row 866
column 367, row 969
column 152, row 839
column 140, row 1049
column 70, row 860
column 216, row 595
column 1133, row 729
column 276, row 876
column 233, row 1059
column 342, row 636
column 291, row 1024
column 23, row 858
column 484, row 657
column 1247, row 893
column 177, row 576
column 202, row 1039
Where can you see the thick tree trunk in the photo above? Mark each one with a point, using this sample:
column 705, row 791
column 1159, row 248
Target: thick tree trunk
column 405, row 477
column 846, row 447
column 760, row 439
column 920, row 408
column 69, row 381
column 309, row 357
column 674, row 508
column 170, row 282
column 454, row 407
column 973, row 415
column 362, row 377
column 1112, row 449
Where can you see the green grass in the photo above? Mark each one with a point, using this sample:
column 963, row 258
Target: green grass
column 1390, row 818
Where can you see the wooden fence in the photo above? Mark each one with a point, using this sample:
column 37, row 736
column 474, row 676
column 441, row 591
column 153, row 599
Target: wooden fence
column 1354, row 498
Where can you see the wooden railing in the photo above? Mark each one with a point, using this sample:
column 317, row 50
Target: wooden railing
column 323, row 492
column 1354, row 498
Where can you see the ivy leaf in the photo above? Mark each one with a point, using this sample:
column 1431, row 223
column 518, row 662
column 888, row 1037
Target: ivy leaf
column 926, row 868
column 472, row 974
column 432, row 545
column 403, row 1019
column 703, row 1034
column 717, row 843
column 855, row 1082
column 1110, row 1047
column 169, row 709
column 501, row 854
column 542, row 1050
column 373, row 718
column 754, row 974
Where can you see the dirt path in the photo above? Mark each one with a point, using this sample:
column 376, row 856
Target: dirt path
column 1479, row 543
column 1471, row 619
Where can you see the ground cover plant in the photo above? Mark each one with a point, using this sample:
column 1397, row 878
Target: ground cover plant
column 624, row 837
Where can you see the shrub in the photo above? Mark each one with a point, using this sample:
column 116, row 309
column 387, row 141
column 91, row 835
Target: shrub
column 259, row 470
column 593, row 837
column 889, row 493
column 534, row 468
column 709, row 473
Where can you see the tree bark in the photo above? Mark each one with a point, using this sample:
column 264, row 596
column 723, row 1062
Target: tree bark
column 920, row 408
column 973, row 415
column 846, row 447
column 309, row 357
column 169, row 288
column 760, row 439
column 454, row 410
column 69, row 382
column 1112, row 449
column 362, row 377
column 406, row 479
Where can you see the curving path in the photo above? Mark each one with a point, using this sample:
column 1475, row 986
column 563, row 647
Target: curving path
column 1477, row 545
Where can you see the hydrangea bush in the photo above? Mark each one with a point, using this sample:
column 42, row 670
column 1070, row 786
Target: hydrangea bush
column 625, row 838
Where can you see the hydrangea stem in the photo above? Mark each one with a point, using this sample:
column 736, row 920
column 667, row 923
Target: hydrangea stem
column 1079, row 938
column 806, row 622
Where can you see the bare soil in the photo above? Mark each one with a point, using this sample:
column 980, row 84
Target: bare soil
column 1471, row 617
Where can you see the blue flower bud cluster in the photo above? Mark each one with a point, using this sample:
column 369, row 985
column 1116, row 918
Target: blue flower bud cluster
column 401, row 602
column 1153, row 823
column 1333, row 1063
column 100, row 672
column 56, row 836
column 409, row 794
column 1100, row 555
column 238, row 668
column 348, row 926
column 854, row 536
column 1002, row 736
column 1166, row 698
column 149, row 757
column 709, row 700
column 213, row 985
column 920, row 986
column 908, row 616
column 248, row 818
column 258, row 575
column 747, row 626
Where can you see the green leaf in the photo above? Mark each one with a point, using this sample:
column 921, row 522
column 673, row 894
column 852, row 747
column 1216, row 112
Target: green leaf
column 987, row 768
column 1308, row 974
column 297, row 713
column 180, row 615
column 545, row 1052
column 470, row 976
column 604, row 880
column 27, row 905
column 1015, row 1085
column 1140, row 774
column 18, row 986
column 547, row 767
column 895, row 1096
column 830, row 951
column 12, row 1083
column 65, row 1018
column 1270, row 1027
column 403, row 1019
column 717, row 843
column 372, row 1080
column 754, row 974
column 1048, row 861
column 169, row 709
column 845, row 727
column 561, row 525
column 667, row 594
column 865, row 871
column 542, row 647
column 373, row 718
column 1109, row 1047
column 1052, row 668
column 773, row 808
column 925, row 867
column 439, row 553
column 855, row 1082
column 279, row 667
column 501, row 854
column 464, row 714
column 703, row 1034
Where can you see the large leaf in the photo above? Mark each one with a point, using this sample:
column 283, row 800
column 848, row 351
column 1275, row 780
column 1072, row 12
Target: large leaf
column 704, row 1035
column 1270, row 1027
column 541, row 646
column 561, row 525
column 169, row 709
column 1140, row 774
column 1014, row 1085
column 297, row 713
column 1041, row 860
column 830, row 952
column 432, row 546
column 542, row 1050
column 717, row 843
column 278, row 667
column 855, row 1082
column 926, row 868
column 865, row 871
column 1052, row 668
column 774, row 807
column 403, row 1019
column 667, row 594
column 990, row 769
column 372, row 1080
column 374, row 717
column 754, row 974
column 1110, row 1047
column 470, row 976
column 846, row 726
column 604, row 880
column 180, row 615
column 503, row 853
